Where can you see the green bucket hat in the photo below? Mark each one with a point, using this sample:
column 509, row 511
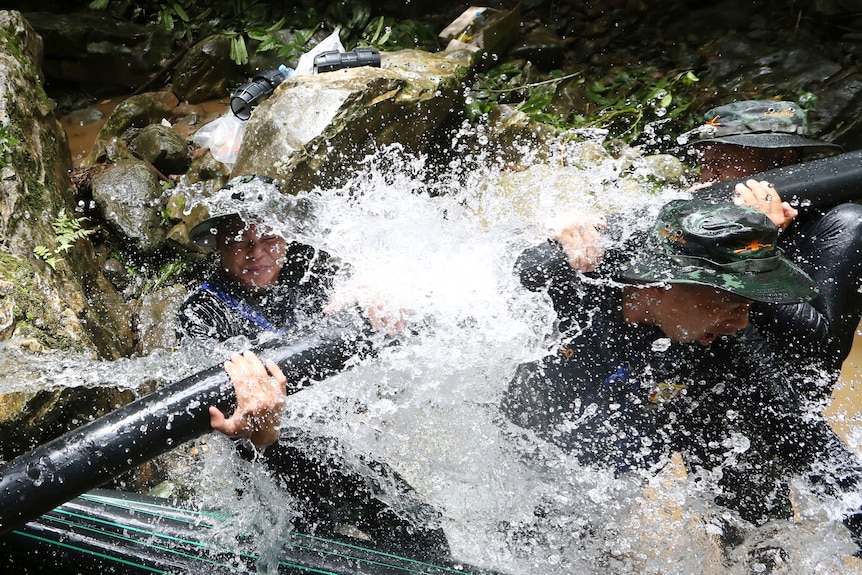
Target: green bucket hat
column 732, row 248
column 252, row 198
column 757, row 124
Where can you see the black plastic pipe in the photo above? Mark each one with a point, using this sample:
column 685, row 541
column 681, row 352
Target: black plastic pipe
column 84, row 458
column 816, row 184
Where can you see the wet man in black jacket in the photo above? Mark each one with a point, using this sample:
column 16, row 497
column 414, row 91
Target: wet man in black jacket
column 657, row 356
column 264, row 287
column 263, row 284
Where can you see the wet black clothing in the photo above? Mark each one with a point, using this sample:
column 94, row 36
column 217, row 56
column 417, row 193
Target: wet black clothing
column 817, row 336
column 331, row 495
column 626, row 396
column 221, row 308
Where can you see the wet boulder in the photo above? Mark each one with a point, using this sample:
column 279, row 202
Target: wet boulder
column 136, row 111
column 156, row 313
column 52, row 297
column 162, row 147
column 206, row 72
column 129, row 196
column 542, row 47
column 316, row 128
column 41, row 233
column 99, row 53
column 184, row 209
column 204, row 167
column 513, row 138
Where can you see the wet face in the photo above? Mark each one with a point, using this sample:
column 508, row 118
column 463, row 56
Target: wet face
column 250, row 254
column 693, row 313
column 723, row 162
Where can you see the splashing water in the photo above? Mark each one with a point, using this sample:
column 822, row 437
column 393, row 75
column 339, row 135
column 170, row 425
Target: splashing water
column 428, row 407
column 440, row 247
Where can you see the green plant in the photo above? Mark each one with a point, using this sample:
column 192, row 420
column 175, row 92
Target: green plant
column 387, row 34
column 68, row 231
column 164, row 273
column 7, row 143
column 170, row 12
column 504, row 84
column 624, row 102
column 270, row 39
column 147, row 276
column 247, row 22
column 630, row 99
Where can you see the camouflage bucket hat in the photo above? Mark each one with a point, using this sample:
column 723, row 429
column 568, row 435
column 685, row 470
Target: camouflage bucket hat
column 758, row 124
column 729, row 247
column 254, row 199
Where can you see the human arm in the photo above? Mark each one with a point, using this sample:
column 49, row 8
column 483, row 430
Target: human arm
column 382, row 317
column 261, row 392
column 204, row 316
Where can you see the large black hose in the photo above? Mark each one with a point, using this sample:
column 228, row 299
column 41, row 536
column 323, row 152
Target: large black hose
column 84, row 458
column 817, row 184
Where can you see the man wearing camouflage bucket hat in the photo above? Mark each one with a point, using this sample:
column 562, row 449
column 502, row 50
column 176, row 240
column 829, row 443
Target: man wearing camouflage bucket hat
column 657, row 356
column 741, row 139
column 768, row 124
column 722, row 246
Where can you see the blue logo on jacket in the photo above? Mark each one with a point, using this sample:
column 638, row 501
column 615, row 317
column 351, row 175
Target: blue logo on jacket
column 620, row 377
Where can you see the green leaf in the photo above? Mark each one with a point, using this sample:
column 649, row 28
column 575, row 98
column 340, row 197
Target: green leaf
column 46, row 256
column 596, row 86
column 277, row 26
column 180, row 12
column 166, row 21
column 267, row 44
column 238, row 50
column 666, row 101
column 378, row 29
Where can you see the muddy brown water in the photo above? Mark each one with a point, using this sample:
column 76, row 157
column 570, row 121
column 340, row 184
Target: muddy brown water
column 845, row 412
column 83, row 126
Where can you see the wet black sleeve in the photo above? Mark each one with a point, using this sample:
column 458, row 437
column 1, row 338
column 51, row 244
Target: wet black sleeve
column 312, row 272
column 542, row 265
column 204, row 316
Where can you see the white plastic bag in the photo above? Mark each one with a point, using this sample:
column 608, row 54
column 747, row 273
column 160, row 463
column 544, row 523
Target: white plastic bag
column 223, row 137
column 306, row 61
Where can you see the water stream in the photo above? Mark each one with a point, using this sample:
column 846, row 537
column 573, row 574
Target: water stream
column 441, row 246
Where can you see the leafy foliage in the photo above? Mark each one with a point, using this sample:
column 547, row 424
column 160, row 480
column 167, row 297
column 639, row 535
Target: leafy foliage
column 260, row 26
column 68, row 230
column 625, row 102
column 47, row 256
column 148, row 277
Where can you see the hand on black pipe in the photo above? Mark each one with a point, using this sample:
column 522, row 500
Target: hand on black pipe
column 763, row 197
column 260, row 396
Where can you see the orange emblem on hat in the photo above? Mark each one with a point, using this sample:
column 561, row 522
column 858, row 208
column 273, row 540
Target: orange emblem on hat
column 754, row 246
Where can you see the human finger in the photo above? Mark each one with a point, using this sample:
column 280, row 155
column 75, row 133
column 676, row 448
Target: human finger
column 762, row 196
column 246, row 369
column 276, row 372
column 219, row 422
column 763, row 191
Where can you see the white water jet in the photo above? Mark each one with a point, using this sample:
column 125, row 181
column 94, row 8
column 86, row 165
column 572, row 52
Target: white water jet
column 441, row 247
